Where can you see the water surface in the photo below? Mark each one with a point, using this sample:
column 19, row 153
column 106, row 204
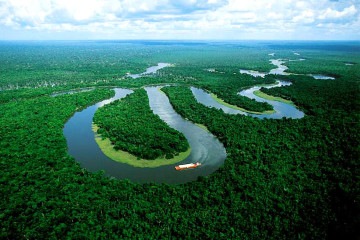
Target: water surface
column 205, row 147
column 150, row 70
column 280, row 70
column 321, row 77
column 281, row 109
column 253, row 73
column 74, row 91
column 206, row 99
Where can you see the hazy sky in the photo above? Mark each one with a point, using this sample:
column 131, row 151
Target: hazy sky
column 180, row 19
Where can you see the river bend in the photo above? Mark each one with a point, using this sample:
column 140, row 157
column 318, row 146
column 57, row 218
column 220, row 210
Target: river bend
column 205, row 147
column 281, row 109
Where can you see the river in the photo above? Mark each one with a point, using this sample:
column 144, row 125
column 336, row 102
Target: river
column 205, row 147
column 150, row 70
column 281, row 70
column 281, row 109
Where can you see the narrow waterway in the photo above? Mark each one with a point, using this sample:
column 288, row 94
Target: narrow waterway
column 206, row 99
column 321, row 77
column 281, row 109
column 281, row 70
column 74, row 91
column 150, row 70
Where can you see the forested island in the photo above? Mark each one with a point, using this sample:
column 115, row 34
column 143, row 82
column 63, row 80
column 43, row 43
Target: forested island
column 131, row 126
column 281, row 179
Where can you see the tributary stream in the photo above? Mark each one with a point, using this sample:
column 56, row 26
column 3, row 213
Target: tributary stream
column 205, row 147
column 281, row 109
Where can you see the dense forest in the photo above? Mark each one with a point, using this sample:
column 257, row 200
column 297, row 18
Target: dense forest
column 282, row 179
column 131, row 126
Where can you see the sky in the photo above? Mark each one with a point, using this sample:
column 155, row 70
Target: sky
column 180, row 19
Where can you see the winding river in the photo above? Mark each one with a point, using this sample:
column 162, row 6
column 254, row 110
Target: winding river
column 205, row 147
column 281, row 109
column 150, row 70
column 280, row 70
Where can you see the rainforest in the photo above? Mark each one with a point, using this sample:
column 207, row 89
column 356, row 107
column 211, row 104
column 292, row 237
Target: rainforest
column 91, row 132
column 133, row 114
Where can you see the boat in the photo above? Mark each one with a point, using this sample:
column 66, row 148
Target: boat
column 187, row 166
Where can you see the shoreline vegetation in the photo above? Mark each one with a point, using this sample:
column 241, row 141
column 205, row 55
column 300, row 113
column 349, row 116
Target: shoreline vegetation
column 263, row 95
column 137, row 136
column 125, row 157
column 202, row 126
column 219, row 100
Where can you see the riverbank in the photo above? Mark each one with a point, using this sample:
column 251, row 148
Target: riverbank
column 219, row 100
column 260, row 94
column 125, row 157
column 202, row 127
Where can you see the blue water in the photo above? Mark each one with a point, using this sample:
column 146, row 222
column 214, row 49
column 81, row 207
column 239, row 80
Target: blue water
column 281, row 109
column 205, row 148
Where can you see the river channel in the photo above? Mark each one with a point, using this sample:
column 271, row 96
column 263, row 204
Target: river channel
column 205, row 148
column 281, row 109
column 281, row 70
column 150, row 70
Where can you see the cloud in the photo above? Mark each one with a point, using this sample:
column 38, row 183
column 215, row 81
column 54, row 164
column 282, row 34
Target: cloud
column 334, row 14
column 79, row 10
column 182, row 18
column 21, row 13
column 306, row 16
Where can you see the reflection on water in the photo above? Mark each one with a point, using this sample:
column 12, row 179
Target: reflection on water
column 150, row 70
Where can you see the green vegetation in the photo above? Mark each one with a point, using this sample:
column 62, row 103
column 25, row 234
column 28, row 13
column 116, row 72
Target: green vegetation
column 238, row 108
column 228, row 93
column 225, row 85
column 47, row 64
column 259, row 93
column 284, row 161
column 282, row 179
column 122, row 156
column 131, row 126
column 202, row 126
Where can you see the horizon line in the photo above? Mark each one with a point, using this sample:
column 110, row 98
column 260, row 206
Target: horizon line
column 185, row 40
